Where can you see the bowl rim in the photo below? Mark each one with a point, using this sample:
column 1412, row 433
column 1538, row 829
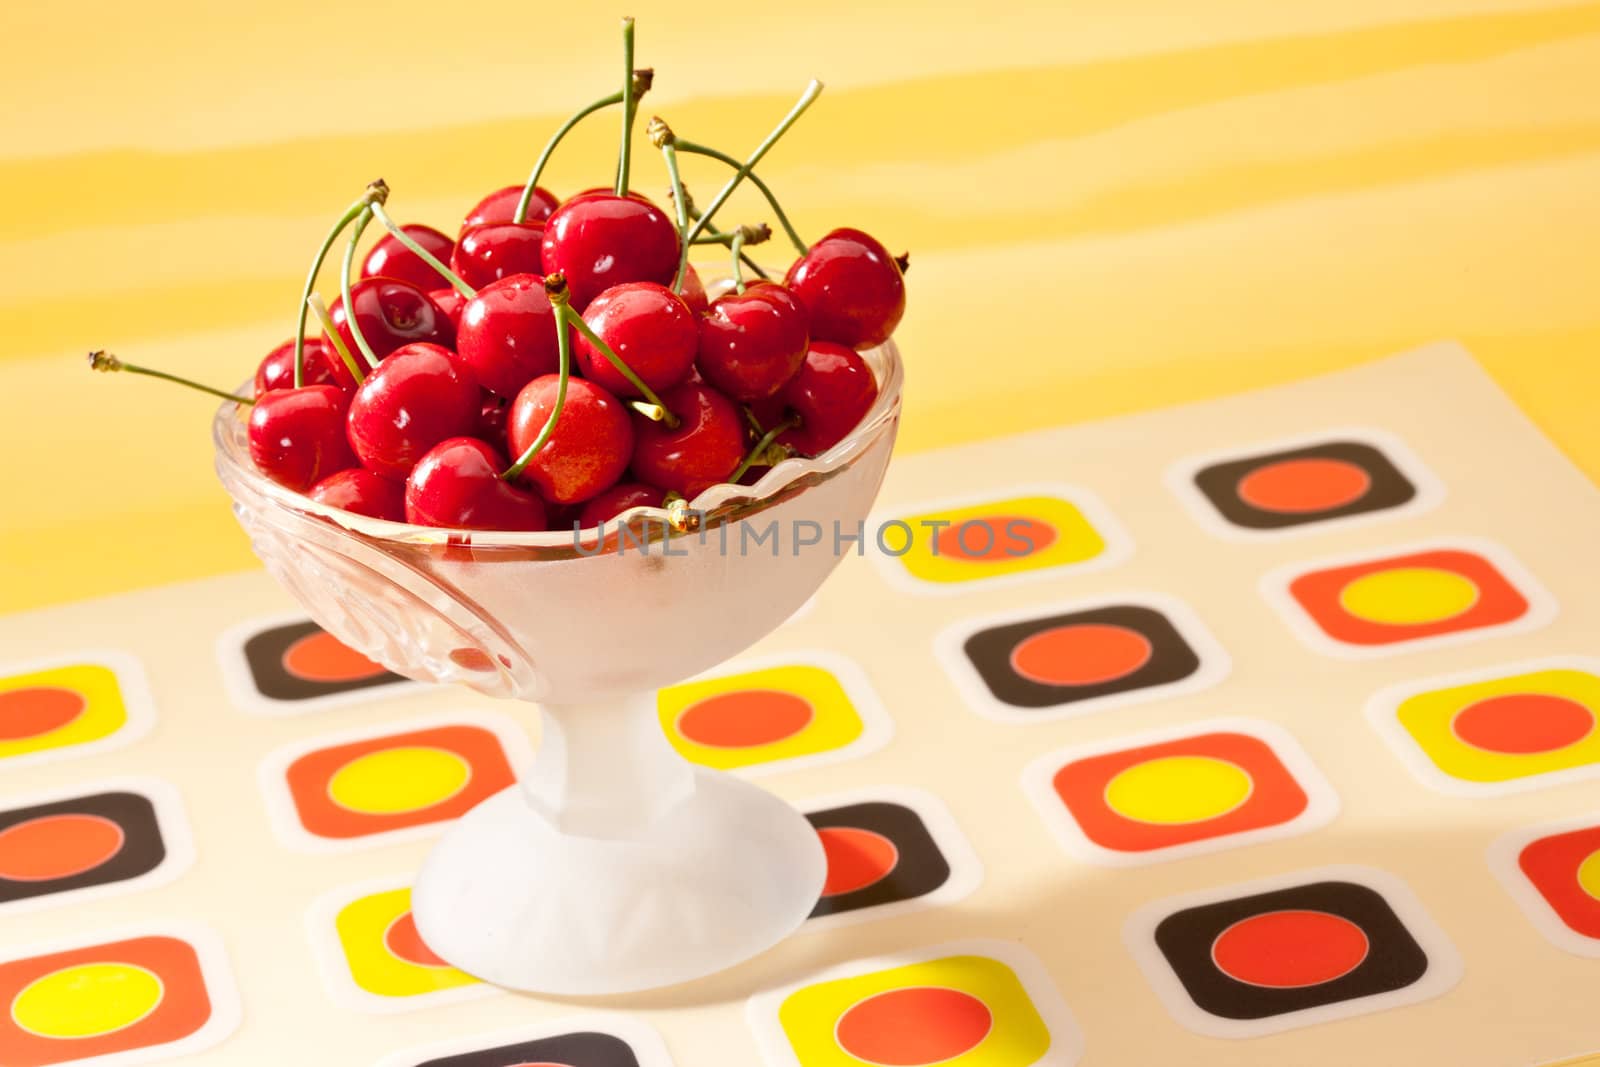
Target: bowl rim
column 726, row 501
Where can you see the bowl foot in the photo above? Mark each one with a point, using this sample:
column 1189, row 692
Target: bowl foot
column 719, row 878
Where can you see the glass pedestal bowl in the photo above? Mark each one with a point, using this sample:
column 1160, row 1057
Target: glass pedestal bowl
column 613, row 865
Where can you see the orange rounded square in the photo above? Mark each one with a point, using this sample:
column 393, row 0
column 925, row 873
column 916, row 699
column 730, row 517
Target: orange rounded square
column 100, row 1000
column 1404, row 598
column 1190, row 789
column 397, row 781
column 1565, row 869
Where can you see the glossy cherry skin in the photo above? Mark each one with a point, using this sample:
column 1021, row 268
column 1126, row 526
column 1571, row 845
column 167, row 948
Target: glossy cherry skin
column 831, row 393
column 297, row 435
column 619, row 498
column 322, row 367
column 599, row 240
column 508, row 334
column 492, row 414
column 752, row 343
column 501, row 206
column 705, row 448
column 590, row 447
column 498, row 250
column 650, row 329
column 852, row 288
column 391, row 313
column 450, row 303
column 391, row 259
column 694, row 291
column 361, row 491
column 417, row 397
column 457, row 484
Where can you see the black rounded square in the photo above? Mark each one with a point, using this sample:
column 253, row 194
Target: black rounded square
column 588, row 1049
column 1226, row 485
column 919, row 866
column 86, row 859
column 1187, row 938
column 267, row 653
column 1169, row 657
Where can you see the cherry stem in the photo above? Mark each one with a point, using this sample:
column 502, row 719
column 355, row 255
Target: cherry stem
column 748, row 262
column 737, row 246
column 807, row 98
column 345, row 270
column 630, row 107
column 320, row 310
column 661, row 136
column 760, row 450
column 755, row 179
column 427, row 257
column 521, row 214
column 577, row 323
column 105, row 361
column 555, row 287
column 376, row 193
column 753, row 235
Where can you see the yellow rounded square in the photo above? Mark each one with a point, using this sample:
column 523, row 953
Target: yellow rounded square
column 1429, row 719
column 760, row 716
column 1017, row 1036
column 363, row 927
column 997, row 538
column 48, row 723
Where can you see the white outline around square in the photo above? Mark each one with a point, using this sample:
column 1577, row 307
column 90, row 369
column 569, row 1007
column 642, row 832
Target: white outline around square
column 1215, row 664
column 1430, row 492
column 1444, row 962
column 646, row 1043
column 1274, row 587
column 132, row 683
column 285, row 817
column 240, row 682
column 966, row 870
column 1066, row 1037
column 216, row 973
column 1118, row 549
column 1383, row 709
column 1502, row 855
column 171, row 821
column 1322, row 803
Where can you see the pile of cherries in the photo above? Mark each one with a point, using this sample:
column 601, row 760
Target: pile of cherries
column 559, row 362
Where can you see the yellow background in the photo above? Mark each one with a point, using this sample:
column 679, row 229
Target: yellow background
column 1109, row 204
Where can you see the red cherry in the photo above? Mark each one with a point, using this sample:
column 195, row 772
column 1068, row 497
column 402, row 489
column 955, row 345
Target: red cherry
column 322, row 367
column 457, row 484
column 508, row 334
column 649, row 328
column 417, row 397
column 362, row 492
column 297, row 435
column 492, row 413
column 831, row 393
column 450, row 303
column 751, row 343
column 501, row 206
column 589, row 448
column 852, row 288
column 619, row 498
column 705, row 448
column 599, row 240
column 391, row 313
column 391, row 259
column 694, row 291
column 498, row 250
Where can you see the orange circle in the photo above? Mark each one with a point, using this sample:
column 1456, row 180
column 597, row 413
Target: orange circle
column 38, row 709
column 857, row 858
column 57, row 846
column 1303, row 486
column 1522, row 724
column 404, row 942
column 914, row 1027
column 322, row 657
column 1090, row 653
column 994, row 537
column 1290, row 949
column 745, row 719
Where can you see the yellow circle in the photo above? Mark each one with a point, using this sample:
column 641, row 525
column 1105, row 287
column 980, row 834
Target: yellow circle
column 87, row 1000
column 1589, row 874
column 1178, row 789
column 1409, row 596
column 399, row 780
